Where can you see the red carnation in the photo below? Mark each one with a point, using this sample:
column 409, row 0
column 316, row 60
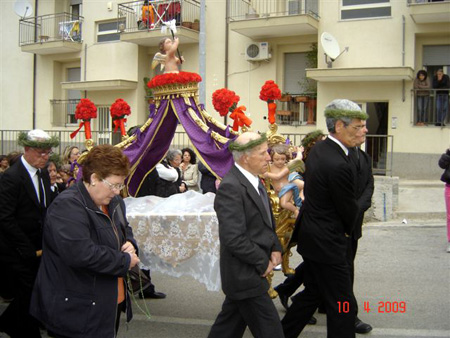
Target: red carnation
column 119, row 109
column 171, row 78
column 85, row 110
column 223, row 100
column 270, row 91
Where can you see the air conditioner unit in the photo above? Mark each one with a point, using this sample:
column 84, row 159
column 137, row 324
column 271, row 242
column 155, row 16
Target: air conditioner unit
column 257, row 51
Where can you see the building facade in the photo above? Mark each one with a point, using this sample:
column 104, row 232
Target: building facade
column 59, row 51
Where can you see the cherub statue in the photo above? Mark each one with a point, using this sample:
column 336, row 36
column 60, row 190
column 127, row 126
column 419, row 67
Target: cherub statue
column 166, row 56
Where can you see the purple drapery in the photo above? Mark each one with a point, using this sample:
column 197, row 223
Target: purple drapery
column 213, row 153
column 150, row 146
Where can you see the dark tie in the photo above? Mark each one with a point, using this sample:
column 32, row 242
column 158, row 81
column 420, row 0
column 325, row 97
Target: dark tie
column 41, row 191
column 265, row 200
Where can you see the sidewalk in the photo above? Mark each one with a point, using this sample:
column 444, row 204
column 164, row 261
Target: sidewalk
column 421, row 200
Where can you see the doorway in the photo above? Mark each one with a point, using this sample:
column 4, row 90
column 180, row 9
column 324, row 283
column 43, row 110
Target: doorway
column 377, row 141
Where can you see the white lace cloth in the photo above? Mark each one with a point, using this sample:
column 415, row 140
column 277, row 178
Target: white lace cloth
column 178, row 235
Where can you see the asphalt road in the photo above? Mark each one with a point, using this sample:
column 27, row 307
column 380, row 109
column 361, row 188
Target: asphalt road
column 401, row 269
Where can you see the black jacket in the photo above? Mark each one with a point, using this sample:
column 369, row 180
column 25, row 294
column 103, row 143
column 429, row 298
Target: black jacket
column 247, row 237
column 444, row 163
column 330, row 209
column 21, row 217
column 208, row 181
column 75, row 293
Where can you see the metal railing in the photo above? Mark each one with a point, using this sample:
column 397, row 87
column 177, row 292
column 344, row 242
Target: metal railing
column 379, row 147
column 51, row 27
column 296, row 111
column 420, row 2
column 246, row 9
column 428, row 104
column 184, row 12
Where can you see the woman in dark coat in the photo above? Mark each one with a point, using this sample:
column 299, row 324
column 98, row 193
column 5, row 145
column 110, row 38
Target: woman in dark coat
column 80, row 288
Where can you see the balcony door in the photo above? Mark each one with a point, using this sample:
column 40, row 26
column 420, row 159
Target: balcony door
column 74, row 96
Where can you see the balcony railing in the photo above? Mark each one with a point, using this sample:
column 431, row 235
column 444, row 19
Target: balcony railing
column 49, row 28
column 136, row 17
column 427, row 107
column 246, row 9
column 296, row 110
column 63, row 112
column 424, row 1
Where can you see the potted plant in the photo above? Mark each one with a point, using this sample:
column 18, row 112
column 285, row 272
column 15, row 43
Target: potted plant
column 196, row 25
column 310, row 85
column 187, row 24
column 148, row 92
column 285, row 97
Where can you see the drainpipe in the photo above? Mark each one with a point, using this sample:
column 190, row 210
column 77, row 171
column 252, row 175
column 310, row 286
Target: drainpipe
column 202, row 51
column 403, row 56
column 34, row 70
column 227, row 16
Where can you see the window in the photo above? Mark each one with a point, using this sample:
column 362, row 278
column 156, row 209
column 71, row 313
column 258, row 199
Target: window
column 109, row 31
column 365, row 9
column 73, row 96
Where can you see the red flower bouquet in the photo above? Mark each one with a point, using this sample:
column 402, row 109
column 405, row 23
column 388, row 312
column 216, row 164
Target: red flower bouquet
column 171, row 78
column 224, row 100
column 269, row 93
column 119, row 109
column 85, row 110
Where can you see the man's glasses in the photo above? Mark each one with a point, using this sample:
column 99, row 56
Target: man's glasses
column 43, row 153
column 358, row 127
column 112, row 187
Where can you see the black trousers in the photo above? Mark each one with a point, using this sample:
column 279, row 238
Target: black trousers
column 292, row 282
column 258, row 313
column 16, row 320
column 328, row 283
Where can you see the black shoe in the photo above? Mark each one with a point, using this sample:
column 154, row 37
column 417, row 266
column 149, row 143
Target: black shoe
column 361, row 327
column 154, row 295
column 283, row 299
column 312, row 320
column 437, row 124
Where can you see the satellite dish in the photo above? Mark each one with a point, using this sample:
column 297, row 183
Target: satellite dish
column 331, row 48
column 23, row 8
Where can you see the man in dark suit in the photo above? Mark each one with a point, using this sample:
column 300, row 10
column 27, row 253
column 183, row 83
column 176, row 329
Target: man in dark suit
column 326, row 225
column 364, row 192
column 25, row 195
column 249, row 247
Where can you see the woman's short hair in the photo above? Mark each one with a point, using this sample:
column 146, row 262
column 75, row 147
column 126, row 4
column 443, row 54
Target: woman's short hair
column 191, row 153
column 422, row 72
column 172, row 153
column 105, row 160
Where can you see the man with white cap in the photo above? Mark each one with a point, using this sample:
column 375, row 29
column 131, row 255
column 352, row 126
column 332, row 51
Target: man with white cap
column 25, row 195
column 326, row 226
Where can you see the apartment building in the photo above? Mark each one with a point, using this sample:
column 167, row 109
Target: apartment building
column 57, row 51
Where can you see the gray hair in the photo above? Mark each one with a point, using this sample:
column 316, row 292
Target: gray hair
column 172, row 153
column 331, row 123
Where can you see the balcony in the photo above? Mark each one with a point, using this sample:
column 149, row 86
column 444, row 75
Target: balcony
column 428, row 11
column 262, row 19
column 142, row 24
column 428, row 107
column 51, row 34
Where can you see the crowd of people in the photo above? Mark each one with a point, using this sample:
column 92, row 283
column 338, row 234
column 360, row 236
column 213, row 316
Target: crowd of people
column 66, row 246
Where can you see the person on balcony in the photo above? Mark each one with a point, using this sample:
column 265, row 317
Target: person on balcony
column 441, row 82
column 423, row 96
column 148, row 16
